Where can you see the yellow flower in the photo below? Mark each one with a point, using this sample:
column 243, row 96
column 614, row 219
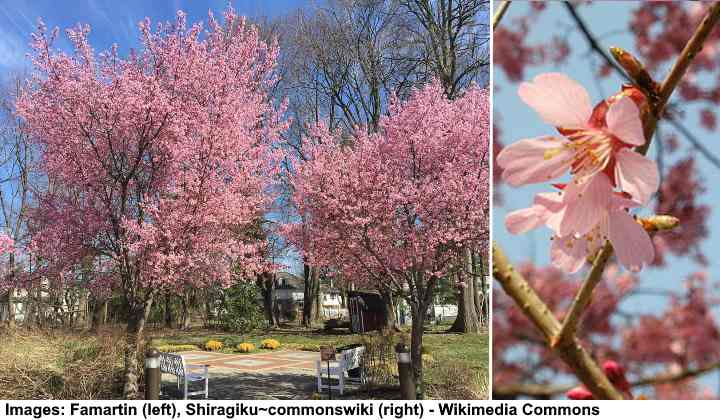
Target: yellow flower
column 245, row 347
column 270, row 344
column 213, row 345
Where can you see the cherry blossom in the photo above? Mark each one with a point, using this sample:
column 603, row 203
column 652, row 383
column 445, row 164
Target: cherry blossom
column 592, row 141
column 397, row 208
column 681, row 335
column 569, row 252
column 158, row 163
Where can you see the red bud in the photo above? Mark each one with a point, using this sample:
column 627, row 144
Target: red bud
column 579, row 393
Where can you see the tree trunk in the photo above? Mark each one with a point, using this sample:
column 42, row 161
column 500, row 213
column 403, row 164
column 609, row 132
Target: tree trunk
column 168, row 311
column 9, row 301
column 389, row 309
column 468, row 317
column 266, row 283
column 99, row 313
column 482, row 301
column 310, row 294
column 416, row 339
column 317, row 311
column 136, row 325
column 11, row 294
column 30, row 317
column 185, row 311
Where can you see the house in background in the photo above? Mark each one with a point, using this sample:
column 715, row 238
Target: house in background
column 332, row 305
column 289, row 296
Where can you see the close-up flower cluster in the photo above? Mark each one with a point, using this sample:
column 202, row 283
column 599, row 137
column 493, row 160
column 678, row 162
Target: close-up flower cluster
column 607, row 177
column 615, row 297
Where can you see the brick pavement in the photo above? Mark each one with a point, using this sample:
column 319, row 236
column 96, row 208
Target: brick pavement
column 283, row 374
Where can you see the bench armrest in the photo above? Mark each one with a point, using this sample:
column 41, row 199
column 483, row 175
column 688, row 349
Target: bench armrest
column 190, row 368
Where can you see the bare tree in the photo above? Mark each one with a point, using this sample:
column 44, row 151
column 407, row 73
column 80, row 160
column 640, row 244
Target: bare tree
column 16, row 157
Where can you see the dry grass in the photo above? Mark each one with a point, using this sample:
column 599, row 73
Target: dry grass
column 457, row 382
column 60, row 365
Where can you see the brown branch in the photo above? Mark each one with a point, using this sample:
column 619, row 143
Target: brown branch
column 694, row 46
column 583, row 297
column 678, row 70
column 546, row 391
column 500, row 13
column 570, row 351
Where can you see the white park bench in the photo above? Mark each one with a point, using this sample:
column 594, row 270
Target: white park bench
column 346, row 360
column 174, row 364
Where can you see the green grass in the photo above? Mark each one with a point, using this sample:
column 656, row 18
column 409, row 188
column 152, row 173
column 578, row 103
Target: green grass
column 457, row 358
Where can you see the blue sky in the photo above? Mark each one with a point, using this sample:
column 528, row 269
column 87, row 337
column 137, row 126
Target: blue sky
column 111, row 21
column 610, row 23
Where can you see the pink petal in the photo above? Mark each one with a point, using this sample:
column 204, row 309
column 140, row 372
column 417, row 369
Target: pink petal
column 586, row 204
column 568, row 253
column 636, row 175
column 551, row 201
column 558, row 99
column 534, row 160
column 521, row 221
column 632, row 244
column 618, row 202
column 623, row 120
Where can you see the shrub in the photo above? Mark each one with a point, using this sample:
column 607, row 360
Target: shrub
column 379, row 359
column 245, row 347
column 174, row 348
column 270, row 344
column 213, row 345
column 457, row 381
column 239, row 311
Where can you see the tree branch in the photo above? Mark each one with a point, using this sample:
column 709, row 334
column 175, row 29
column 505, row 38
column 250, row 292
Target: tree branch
column 570, row 351
column 500, row 13
column 592, row 41
column 546, row 391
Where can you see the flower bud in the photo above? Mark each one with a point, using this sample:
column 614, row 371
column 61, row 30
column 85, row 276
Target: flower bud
column 579, row 393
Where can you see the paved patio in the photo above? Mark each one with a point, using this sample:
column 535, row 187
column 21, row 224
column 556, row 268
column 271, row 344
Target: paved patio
column 284, row 374
column 281, row 361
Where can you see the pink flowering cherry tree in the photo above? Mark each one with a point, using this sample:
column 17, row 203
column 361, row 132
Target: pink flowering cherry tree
column 156, row 162
column 399, row 208
column 566, row 327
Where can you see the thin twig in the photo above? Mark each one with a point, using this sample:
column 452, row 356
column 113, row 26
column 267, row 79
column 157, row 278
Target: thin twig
column 592, row 41
column 695, row 142
column 687, row 55
column 500, row 12
column 583, row 297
